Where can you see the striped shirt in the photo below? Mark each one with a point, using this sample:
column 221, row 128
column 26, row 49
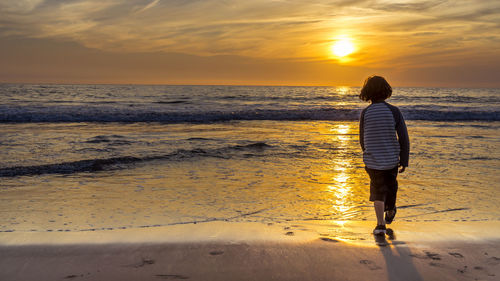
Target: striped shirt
column 383, row 137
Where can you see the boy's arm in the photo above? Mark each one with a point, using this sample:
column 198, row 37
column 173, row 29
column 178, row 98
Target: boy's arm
column 362, row 130
column 404, row 140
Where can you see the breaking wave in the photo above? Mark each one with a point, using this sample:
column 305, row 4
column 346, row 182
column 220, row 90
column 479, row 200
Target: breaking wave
column 110, row 114
column 95, row 165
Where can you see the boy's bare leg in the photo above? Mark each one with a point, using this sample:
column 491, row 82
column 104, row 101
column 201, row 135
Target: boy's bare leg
column 379, row 211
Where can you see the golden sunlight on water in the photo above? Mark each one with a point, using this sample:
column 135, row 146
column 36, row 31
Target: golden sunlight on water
column 341, row 189
column 342, row 130
column 342, row 90
column 311, row 171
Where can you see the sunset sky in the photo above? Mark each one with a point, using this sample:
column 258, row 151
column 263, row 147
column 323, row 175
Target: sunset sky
column 448, row 43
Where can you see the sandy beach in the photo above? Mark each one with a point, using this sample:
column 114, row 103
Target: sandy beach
column 252, row 251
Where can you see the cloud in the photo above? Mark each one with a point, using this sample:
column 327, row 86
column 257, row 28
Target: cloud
column 408, row 6
column 149, row 6
column 292, row 29
column 18, row 6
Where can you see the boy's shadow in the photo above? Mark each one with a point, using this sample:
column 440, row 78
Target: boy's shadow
column 397, row 257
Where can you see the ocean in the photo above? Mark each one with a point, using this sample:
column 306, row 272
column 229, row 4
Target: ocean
column 100, row 157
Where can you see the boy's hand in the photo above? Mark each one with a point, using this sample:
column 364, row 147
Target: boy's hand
column 403, row 168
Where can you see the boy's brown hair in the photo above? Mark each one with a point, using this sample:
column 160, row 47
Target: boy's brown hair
column 375, row 89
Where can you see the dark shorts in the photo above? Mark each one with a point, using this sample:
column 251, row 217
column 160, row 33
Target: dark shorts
column 383, row 186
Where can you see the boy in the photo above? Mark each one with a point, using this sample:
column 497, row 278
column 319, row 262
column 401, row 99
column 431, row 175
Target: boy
column 383, row 152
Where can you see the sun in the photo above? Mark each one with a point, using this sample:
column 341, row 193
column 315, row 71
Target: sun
column 342, row 48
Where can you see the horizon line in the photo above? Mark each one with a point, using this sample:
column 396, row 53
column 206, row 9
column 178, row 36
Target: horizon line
column 226, row 85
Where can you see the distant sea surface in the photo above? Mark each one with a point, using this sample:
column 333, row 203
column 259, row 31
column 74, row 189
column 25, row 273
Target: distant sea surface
column 98, row 157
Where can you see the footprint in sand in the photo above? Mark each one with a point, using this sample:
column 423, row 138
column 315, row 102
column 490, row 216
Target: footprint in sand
column 432, row 256
column 436, row 264
column 483, row 270
column 456, row 255
column 171, row 276
column 370, row 264
column 462, row 270
column 75, row 276
column 428, row 255
column 494, row 261
column 216, row 253
column 143, row 262
column 326, row 239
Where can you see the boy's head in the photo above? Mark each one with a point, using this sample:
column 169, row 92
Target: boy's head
column 375, row 89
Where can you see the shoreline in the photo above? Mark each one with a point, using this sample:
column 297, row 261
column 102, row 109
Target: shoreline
column 253, row 251
column 355, row 232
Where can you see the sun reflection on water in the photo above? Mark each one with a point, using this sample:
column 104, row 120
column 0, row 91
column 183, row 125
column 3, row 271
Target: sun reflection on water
column 342, row 90
column 341, row 187
column 341, row 130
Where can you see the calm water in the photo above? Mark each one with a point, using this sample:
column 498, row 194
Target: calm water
column 84, row 157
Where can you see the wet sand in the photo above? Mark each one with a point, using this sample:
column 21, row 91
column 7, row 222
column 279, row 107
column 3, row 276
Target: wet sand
column 247, row 251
